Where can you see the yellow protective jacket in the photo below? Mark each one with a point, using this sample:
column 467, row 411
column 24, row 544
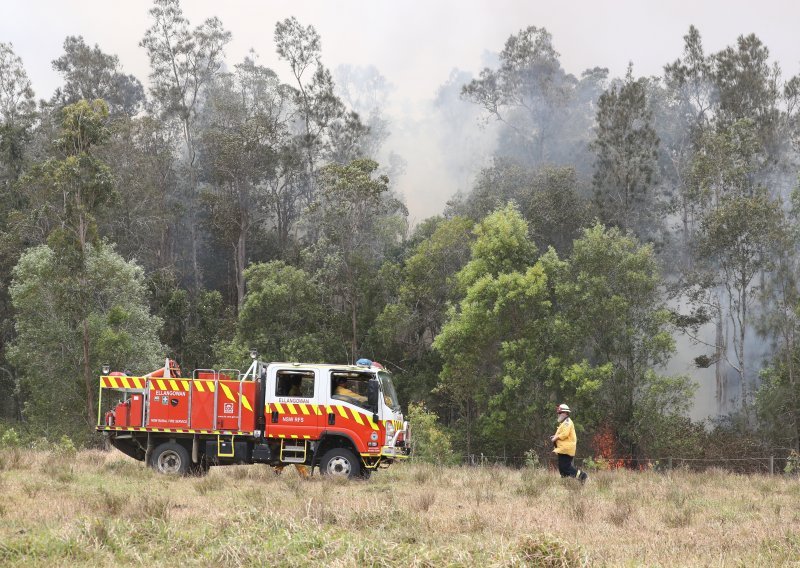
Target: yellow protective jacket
column 566, row 440
column 347, row 393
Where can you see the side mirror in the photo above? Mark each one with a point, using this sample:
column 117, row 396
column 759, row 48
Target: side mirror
column 373, row 392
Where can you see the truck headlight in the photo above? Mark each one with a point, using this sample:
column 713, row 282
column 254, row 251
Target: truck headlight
column 389, row 432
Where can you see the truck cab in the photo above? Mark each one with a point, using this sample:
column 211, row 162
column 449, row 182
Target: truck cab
column 347, row 416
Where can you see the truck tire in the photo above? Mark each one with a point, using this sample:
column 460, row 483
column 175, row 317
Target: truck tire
column 340, row 462
column 170, row 458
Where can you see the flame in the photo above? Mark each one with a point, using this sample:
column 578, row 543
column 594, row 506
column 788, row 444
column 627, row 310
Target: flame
column 605, row 444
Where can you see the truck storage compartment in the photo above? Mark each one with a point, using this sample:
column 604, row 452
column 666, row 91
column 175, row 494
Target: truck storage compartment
column 128, row 414
column 227, row 450
column 169, row 404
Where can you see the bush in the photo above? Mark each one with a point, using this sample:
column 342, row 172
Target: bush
column 10, row 439
column 430, row 443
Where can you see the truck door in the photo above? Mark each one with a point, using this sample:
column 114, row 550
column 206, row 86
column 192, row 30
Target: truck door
column 290, row 405
column 352, row 407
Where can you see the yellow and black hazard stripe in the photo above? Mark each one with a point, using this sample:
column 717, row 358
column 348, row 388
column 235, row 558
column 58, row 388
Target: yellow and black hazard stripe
column 117, row 382
column 226, row 390
column 289, row 436
column 288, row 408
column 122, row 382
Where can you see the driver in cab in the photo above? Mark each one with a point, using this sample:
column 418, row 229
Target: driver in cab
column 342, row 392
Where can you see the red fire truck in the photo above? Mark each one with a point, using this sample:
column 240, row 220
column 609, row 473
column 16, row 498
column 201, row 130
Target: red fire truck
column 344, row 419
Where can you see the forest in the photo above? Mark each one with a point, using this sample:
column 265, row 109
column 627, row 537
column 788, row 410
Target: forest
column 215, row 207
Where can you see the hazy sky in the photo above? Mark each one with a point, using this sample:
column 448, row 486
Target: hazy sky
column 413, row 43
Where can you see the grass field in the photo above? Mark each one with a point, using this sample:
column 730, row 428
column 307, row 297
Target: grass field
column 93, row 508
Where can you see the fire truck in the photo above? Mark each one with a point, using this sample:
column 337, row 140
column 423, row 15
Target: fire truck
column 344, row 419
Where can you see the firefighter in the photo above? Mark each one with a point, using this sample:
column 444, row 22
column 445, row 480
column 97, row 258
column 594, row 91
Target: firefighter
column 564, row 442
column 341, row 390
column 294, row 386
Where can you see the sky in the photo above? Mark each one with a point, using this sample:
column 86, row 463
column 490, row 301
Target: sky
column 415, row 44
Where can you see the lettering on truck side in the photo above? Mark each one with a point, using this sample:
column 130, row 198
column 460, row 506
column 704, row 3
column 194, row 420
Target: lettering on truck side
column 170, row 393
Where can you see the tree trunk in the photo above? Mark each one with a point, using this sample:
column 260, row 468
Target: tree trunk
column 87, row 373
column 743, row 373
column 719, row 361
column 241, row 257
column 353, row 345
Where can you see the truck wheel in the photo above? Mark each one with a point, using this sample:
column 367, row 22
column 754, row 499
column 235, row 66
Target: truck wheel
column 340, row 462
column 170, row 458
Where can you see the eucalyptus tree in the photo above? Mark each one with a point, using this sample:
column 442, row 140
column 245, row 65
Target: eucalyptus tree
column 316, row 104
column 626, row 150
column 282, row 316
column 90, row 74
column 542, row 108
column 243, row 132
column 140, row 153
column 497, row 324
column 183, row 63
column 365, row 90
column 359, row 221
column 617, row 321
column 67, row 192
column 17, row 116
column 778, row 397
column 17, row 120
column 733, row 155
column 738, row 239
column 53, row 332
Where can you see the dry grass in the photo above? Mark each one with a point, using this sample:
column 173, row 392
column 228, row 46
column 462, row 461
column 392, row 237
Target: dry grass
column 100, row 509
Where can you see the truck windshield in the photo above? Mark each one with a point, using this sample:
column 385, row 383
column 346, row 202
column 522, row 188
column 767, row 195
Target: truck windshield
column 389, row 394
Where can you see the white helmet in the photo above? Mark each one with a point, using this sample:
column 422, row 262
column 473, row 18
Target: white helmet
column 562, row 408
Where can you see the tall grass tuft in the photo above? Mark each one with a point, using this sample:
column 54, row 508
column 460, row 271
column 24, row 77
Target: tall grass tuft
column 577, row 506
column 678, row 518
column 112, row 504
column 207, row 484
column 155, row 507
column 549, row 552
column 622, row 510
column 59, row 470
column 423, row 501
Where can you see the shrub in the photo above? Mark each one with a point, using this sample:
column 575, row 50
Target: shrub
column 532, row 459
column 10, row 439
column 429, row 441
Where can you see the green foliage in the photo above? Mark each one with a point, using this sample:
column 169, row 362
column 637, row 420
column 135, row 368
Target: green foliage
column 281, row 316
column 90, row 74
column 611, row 296
column 492, row 344
column 48, row 348
column 589, row 330
column 10, row 438
column 430, row 441
column 777, row 403
column 425, row 285
column 501, row 246
column 626, row 149
column 359, row 222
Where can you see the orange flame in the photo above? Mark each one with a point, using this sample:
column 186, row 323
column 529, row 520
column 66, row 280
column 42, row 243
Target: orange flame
column 605, row 444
